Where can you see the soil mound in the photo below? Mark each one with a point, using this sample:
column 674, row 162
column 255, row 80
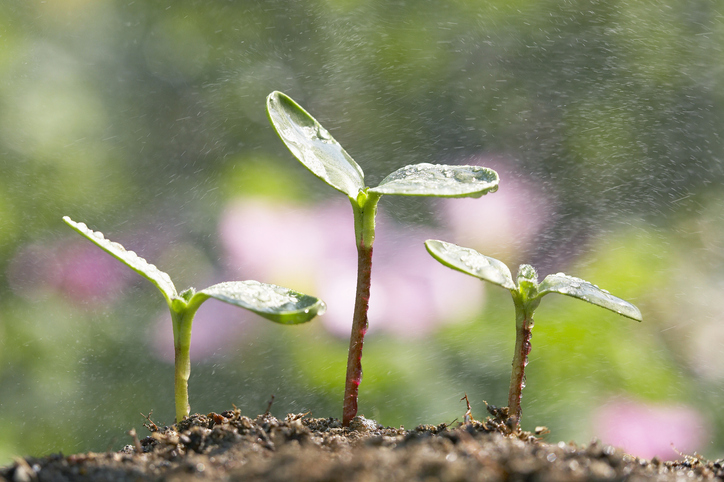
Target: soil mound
column 230, row 446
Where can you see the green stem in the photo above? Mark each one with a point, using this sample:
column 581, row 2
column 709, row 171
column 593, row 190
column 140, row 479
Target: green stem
column 365, row 209
column 182, row 321
column 523, row 327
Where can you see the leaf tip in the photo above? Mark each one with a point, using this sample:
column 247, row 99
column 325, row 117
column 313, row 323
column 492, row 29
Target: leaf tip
column 272, row 97
column 275, row 98
column 432, row 245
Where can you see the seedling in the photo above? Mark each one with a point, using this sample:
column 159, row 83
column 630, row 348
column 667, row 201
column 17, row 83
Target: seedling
column 527, row 294
column 315, row 148
column 272, row 302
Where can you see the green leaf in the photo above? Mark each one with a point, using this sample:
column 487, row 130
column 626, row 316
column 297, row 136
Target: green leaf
column 161, row 280
column 274, row 303
column 471, row 262
column 583, row 290
column 313, row 145
column 440, row 181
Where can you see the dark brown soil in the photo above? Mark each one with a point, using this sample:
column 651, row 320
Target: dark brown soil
column 230, row 447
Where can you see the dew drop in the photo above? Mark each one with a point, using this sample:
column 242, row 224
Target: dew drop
column 526, row 347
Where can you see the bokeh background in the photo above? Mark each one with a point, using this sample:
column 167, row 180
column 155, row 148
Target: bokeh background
column 147, row 121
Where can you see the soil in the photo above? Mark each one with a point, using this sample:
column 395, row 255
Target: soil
column 229, row 447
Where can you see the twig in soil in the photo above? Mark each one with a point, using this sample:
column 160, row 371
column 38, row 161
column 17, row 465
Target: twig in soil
column 268, row 407
column 688, row 458
column 152, row 427
column 468, row 417
column 24, row 471
column 136, row 442
column 292, row 417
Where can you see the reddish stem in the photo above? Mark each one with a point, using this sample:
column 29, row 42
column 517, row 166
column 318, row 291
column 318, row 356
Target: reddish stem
column 356, row 339
column 523, row 332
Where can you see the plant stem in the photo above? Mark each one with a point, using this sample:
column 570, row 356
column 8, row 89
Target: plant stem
column 356, row 339
column 182, row 321
column 364, row 217
column 523, row 327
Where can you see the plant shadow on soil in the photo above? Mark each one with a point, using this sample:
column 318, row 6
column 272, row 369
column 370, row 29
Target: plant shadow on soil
column 231, row 446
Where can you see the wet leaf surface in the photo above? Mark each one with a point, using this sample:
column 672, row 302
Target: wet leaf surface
column 471, row 262
column 583, row 290
column 149, row 271
column 313, row 145
column 439, row 181
column 274, row 303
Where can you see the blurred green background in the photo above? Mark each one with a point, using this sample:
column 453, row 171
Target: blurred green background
column 147, row 121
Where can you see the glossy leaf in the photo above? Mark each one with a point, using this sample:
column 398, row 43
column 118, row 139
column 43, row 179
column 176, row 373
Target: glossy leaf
column 471, row 262
column 274, row 303
column 583, row 290
column 313, row 145
column 160, row 279
column 440, row 181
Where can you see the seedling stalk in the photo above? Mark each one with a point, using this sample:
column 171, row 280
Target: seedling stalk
column 527, row 294
column 272, row 302
column 317, row 150
column 523, row 333
column 364, row 227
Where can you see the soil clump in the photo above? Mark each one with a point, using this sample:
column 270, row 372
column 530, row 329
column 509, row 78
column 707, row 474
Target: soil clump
column 229, row 446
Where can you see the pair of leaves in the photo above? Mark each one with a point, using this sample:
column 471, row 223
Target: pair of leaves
column 317, row 150
column 490, row 269
column 274, row 303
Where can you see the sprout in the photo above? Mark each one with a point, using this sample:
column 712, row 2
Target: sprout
column 527, row 294
column 280, row 305
column 317, row 150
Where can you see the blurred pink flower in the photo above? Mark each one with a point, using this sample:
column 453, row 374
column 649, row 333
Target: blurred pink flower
column 91, row 275
column 648, row 430
column 313, row 250
column 267, row 241
column 81, row 272
column 33, row 272
column 501, row 224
